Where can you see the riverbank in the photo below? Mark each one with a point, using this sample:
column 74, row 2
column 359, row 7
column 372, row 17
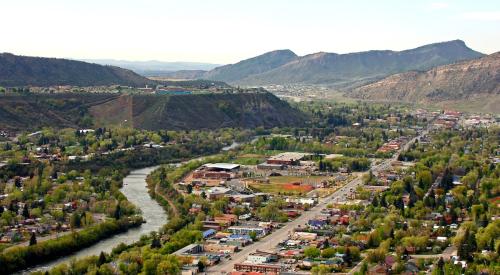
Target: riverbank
column 135, row 189
column 22, row 256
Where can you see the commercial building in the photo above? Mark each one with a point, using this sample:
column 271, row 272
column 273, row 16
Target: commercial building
column 245, row 230
column 250, row 267
column 189, row 249
column 289, row 158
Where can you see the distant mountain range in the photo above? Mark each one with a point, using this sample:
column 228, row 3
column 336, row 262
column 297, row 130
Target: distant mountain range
column 18, row 70
column 467, row 80
column 154, row 67
column 237, row 73
column 338, row 70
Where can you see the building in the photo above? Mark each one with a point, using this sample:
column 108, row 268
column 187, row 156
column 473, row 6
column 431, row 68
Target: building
column 250, row 267
column 217, row 171
column 226, row 167
column 219, row 248
column 261, row 257
column 215, row 193
column 237, row 240
column 270, row 166
column 305, row 236
column 289, row 158
column 189, row 249
column 246, row 230
column 228, row 219
column 208, row 233
column 302, row 201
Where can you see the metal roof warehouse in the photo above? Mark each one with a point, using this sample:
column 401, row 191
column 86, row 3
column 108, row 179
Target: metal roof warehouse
column 222, row 166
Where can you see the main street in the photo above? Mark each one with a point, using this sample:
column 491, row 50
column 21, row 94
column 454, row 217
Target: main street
column 281, row 234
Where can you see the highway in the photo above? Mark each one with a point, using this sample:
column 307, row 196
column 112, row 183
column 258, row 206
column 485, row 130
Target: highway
column 272, row 240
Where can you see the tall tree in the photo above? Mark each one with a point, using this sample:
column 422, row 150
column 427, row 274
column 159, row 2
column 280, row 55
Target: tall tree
column 33, row 239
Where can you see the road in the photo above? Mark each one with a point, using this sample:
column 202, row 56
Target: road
column 273, row 239
column 446, row 255
column 282, row 233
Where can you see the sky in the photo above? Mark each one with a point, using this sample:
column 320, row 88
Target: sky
column 226, row 31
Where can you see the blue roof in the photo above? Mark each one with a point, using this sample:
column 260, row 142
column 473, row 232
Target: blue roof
column 208, row 233
column 316, row 222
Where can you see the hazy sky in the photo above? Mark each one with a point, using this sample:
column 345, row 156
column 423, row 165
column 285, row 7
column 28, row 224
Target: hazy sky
column 225, row 31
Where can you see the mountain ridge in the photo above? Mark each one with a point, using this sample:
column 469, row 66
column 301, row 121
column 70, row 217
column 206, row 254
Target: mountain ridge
column 333, row 68
column 465, row 80
column 18, row 70
column 254, row 65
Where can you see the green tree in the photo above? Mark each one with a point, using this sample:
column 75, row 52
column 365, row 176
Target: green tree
column 328, row 252
column 312, row 252
column 75, row 220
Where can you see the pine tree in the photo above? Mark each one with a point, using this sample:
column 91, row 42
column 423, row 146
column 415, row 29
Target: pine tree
column 33, row 239
column 26, row 211
column 462, row 248
column 156, row 243
column 348, row 256
column 118, row 212
column 102, row 259
column 75, row 220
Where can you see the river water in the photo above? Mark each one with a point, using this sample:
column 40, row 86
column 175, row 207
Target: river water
column 136, row 191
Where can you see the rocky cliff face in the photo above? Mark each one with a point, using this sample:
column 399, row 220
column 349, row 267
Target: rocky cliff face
column 151, row 112
column 460, row 81
column 204, row 111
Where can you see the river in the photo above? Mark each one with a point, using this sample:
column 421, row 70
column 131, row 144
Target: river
column 136, row 191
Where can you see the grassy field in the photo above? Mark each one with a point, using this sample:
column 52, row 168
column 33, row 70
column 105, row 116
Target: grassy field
column 250, row 159
column 284, row 185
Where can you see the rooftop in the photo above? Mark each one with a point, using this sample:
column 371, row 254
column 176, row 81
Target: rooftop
column 289, row 156
column 224, row 166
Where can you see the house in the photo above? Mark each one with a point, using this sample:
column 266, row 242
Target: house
column 212, row 225
column 251, row 273
column 378, row 269
column 316, row 224
column 226, row 219
column 411, row 268
column 306, row 236
column 245, row 217
column 208, row 233
column 456, row 180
